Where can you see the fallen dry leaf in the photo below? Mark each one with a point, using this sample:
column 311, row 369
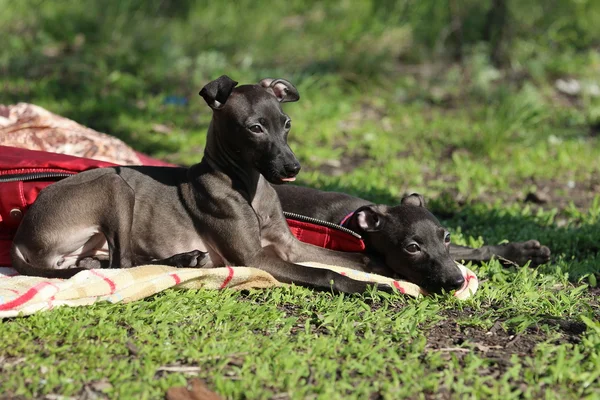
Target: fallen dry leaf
column 198, row 391
column 482, row 347
column 179, row 368
column 453, row 350
column 101, row 385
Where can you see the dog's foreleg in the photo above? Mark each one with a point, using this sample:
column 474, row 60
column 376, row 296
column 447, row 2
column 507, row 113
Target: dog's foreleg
column 516, row 252
column 192, row 259
column 246, row 250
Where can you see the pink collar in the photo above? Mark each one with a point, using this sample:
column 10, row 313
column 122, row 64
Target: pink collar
column 346, row 218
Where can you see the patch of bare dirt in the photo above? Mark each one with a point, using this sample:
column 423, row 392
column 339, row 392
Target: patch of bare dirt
column 496, row 345
column 560, row 194
column 549, row 194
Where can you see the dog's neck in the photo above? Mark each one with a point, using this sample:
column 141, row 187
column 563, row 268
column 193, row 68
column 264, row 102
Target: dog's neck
column 220, row 157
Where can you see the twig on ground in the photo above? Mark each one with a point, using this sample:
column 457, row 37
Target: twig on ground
column 453, row 350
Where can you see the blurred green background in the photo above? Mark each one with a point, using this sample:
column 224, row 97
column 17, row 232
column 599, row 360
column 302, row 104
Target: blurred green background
column 428, row 95
column 476, row 104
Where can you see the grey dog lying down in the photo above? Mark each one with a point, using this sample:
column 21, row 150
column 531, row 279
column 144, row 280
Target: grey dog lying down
column 390, row 236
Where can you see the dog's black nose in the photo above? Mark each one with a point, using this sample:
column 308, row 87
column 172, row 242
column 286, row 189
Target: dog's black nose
column 292, row 169
column 459, row 282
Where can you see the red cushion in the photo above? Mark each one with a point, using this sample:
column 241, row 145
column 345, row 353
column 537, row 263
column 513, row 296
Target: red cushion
column 323, row 236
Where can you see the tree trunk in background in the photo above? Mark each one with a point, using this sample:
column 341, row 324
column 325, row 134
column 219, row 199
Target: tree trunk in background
column 495, row 31
column 456, row 30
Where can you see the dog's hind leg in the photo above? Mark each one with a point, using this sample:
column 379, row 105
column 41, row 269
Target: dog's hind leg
column 80, row 225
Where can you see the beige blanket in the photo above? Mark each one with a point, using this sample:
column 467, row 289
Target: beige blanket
column 25, row 295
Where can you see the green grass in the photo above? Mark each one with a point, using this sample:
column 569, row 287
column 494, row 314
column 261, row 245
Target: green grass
column 385, row 109
column 291, row 340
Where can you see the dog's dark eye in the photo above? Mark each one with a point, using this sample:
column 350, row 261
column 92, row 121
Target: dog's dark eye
column 256, row 128
column 447, row 238
column 413, row 248
column 288, row 124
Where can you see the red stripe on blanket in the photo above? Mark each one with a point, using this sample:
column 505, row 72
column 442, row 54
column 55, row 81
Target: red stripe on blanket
column 177, row 278
column 110, row 282
column 400, row 288
column 50, row 305
column 25, row 297
column 228, row 279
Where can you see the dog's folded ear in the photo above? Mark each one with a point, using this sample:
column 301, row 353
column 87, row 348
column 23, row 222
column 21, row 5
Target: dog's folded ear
column 282, row 89
column 414, row 199
column 217, row 92
column 369, row 218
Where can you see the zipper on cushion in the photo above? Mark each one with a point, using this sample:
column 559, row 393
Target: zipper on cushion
column 304, row 218
column 32, row 176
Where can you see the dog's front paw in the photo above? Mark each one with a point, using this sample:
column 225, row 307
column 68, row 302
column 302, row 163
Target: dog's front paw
column 195, row 259
column 523, row 252
column 191, row 259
